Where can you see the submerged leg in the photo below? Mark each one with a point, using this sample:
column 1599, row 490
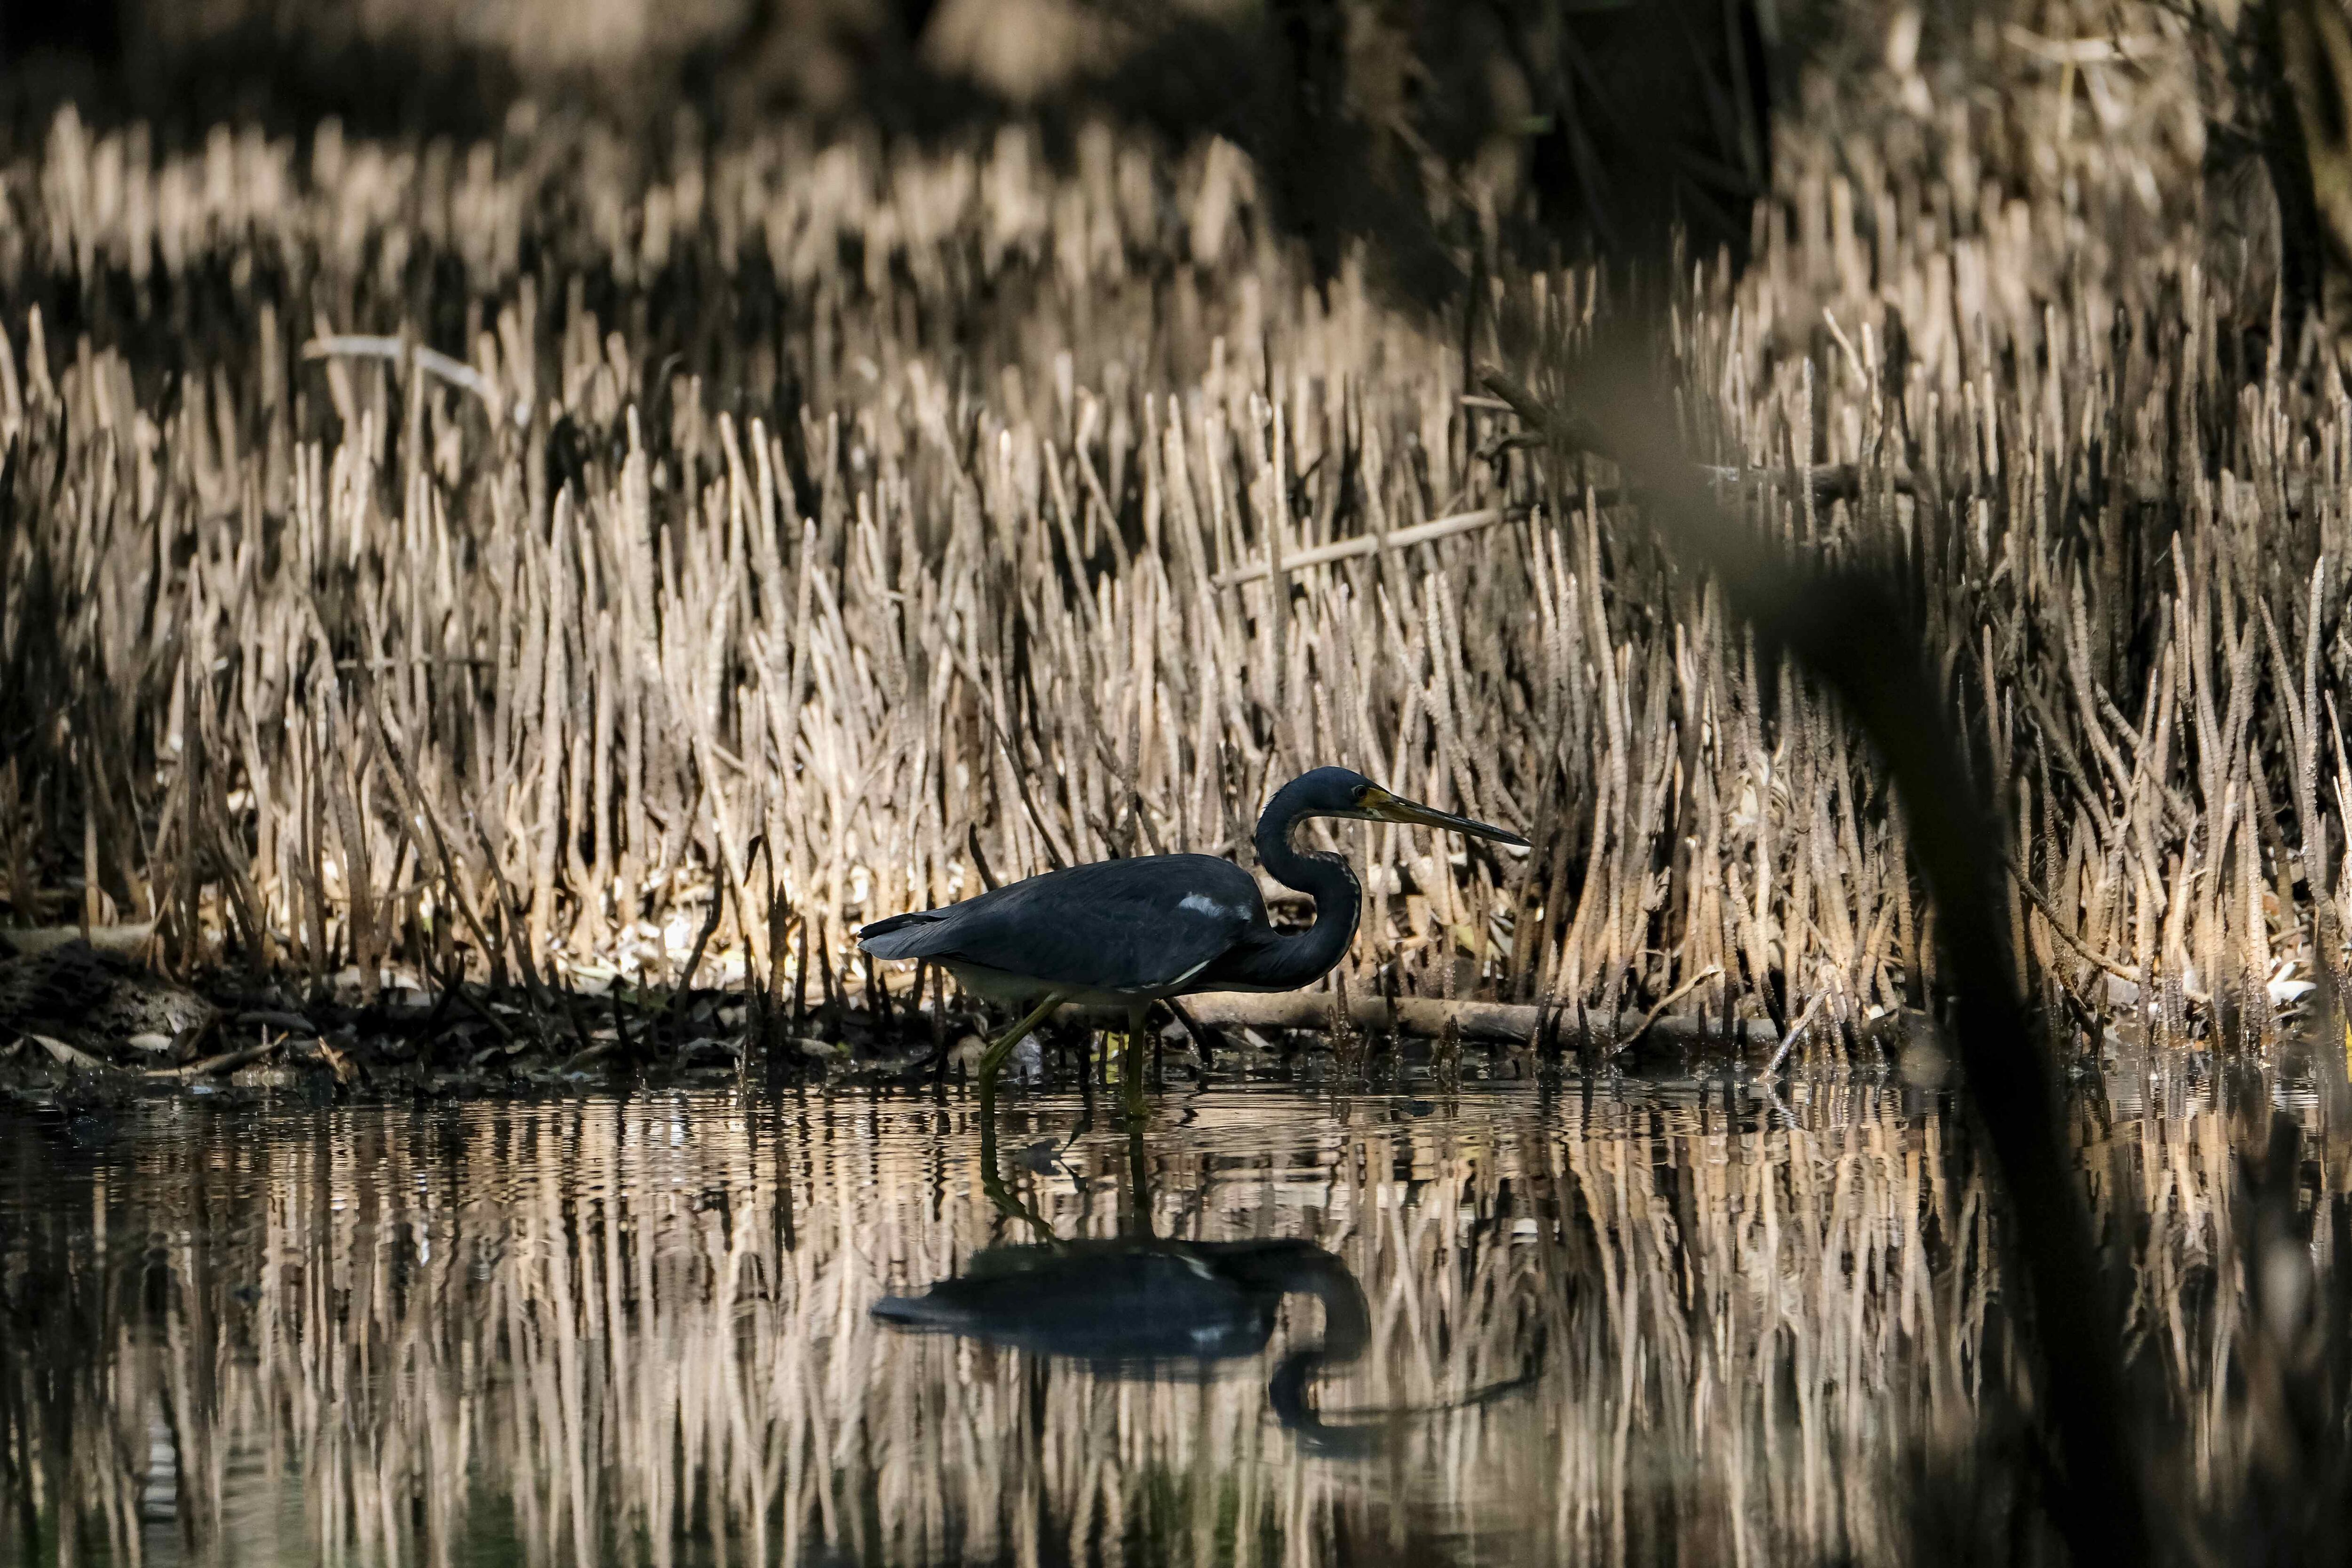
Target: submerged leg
column 1132, row 1068
column 991, row 1182
column 1137, row 1222
column 992, row 1058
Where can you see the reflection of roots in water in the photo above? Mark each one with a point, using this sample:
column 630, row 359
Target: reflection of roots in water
column 545, row 1331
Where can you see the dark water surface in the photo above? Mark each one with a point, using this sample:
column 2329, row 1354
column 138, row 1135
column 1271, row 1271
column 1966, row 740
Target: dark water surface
column 1668, row 1322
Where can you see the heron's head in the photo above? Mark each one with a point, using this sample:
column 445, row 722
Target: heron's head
column 1344, row 792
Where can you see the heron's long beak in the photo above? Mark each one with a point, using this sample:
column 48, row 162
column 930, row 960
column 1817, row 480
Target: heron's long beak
column 1383, row 806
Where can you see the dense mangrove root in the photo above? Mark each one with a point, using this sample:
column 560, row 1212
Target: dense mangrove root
column 540, row 633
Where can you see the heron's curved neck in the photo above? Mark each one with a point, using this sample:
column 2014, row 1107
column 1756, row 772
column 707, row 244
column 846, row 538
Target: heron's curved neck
column 1306, row 955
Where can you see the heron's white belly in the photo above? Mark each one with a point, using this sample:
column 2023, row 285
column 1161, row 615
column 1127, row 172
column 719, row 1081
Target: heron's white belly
column 1007, row 989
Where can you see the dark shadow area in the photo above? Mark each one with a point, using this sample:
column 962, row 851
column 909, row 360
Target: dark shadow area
column 284, row 80
column 1601, row 128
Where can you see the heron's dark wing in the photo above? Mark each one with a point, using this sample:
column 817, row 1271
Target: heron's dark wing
column 1116, row 1304
column 1115, row 925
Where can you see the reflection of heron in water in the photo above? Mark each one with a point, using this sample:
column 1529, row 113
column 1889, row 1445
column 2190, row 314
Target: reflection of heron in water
column 1140, row 1305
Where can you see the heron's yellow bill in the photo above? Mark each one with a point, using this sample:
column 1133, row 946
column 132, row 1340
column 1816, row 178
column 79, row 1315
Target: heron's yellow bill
column 1383, row 807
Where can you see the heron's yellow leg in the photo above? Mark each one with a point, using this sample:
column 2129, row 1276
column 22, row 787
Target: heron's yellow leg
column 1131, row 1069
column 992, row 1058
column 991, row 1182
column 1138, row 1221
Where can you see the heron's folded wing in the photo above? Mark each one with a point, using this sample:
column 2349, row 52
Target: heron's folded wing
column 1115, row 925
column 912, row 935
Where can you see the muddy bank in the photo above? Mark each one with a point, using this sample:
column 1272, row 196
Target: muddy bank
column 85, row 1023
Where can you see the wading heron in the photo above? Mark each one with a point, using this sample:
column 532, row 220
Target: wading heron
column 1128, row 933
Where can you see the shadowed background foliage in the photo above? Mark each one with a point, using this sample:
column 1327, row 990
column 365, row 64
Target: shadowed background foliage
column 1626, row 116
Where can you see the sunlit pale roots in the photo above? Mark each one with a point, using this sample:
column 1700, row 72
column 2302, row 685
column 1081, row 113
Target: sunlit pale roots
column 729, row 573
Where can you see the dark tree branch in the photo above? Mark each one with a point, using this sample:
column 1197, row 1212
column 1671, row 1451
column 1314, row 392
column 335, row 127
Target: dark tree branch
column 1850, row 632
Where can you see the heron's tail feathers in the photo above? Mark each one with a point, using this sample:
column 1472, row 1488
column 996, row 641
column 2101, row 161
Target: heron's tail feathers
column 901, row 935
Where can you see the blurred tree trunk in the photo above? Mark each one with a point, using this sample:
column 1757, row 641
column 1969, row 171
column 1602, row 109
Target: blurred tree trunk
column 2304, row 52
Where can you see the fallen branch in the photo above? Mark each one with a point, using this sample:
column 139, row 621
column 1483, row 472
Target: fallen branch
column 2050, row 916
column 211, row 1066
column 1497, row 1023
column 1788, row 1044
column 1658, row 1009
column 122, row 939
column 1367, row 544
column 351, row 345
column 1830, row 482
